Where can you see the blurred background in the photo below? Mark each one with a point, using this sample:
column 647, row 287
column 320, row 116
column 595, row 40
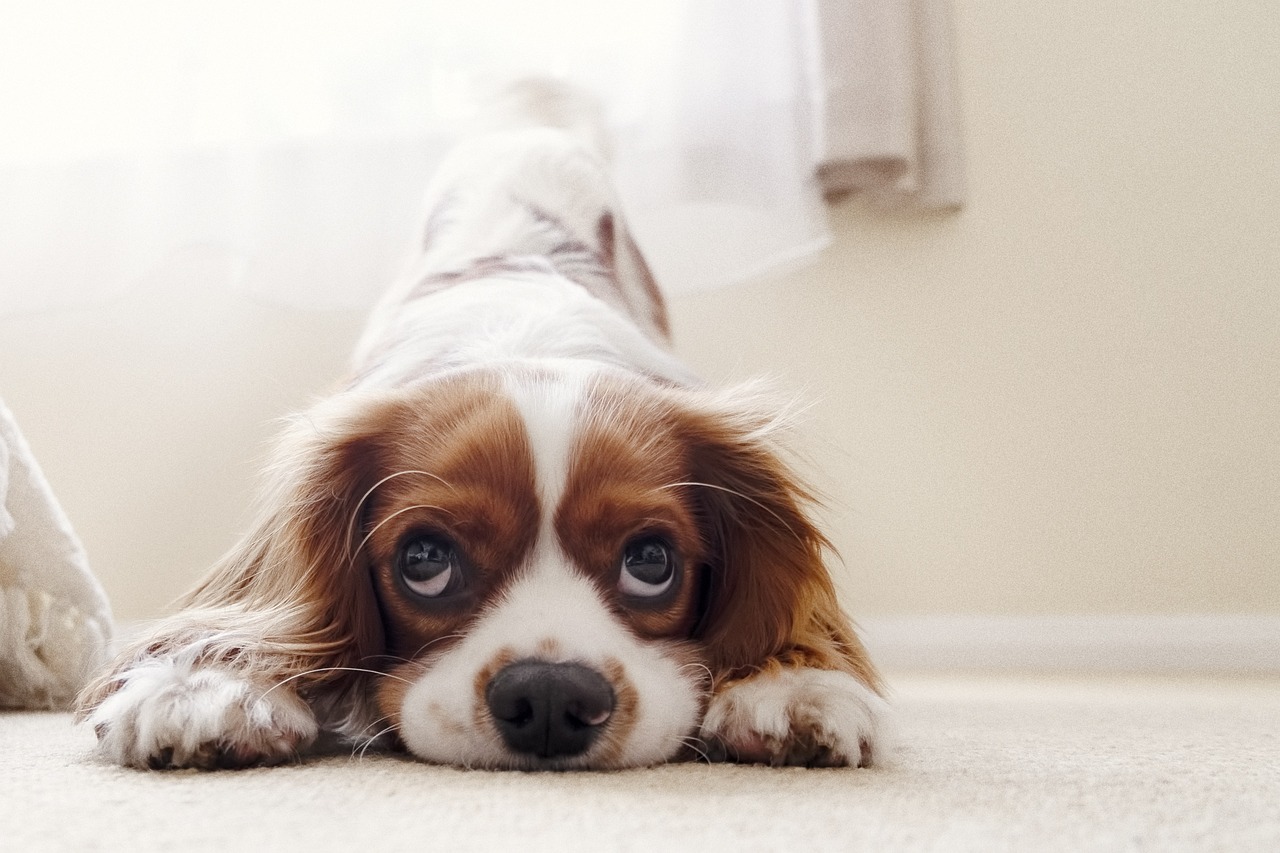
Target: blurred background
column 1047, row 423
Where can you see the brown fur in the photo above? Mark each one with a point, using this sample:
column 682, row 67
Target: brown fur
column 772, row 602
column 769, row 597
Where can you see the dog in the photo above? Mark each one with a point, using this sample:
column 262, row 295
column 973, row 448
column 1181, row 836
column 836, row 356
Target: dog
column 521, row 535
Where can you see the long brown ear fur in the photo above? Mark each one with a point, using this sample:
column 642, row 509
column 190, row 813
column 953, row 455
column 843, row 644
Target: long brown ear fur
column 291, row 601
column 770, row 600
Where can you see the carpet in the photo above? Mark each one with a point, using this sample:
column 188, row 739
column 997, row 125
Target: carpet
column 986, row 763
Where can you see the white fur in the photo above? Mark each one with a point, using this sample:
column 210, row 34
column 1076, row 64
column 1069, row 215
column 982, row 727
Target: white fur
column 443, row 720
column 524, row 319
column 763, row 717
column 549, row 409
column 195, row 712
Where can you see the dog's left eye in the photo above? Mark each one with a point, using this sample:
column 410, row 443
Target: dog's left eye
column 648, row 568
column 429, row 565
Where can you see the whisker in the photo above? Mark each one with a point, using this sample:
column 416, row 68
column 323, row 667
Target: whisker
column 429, row 643
column 320, row 669
column 370, row 725
column 360, row 736
column 400, row 659
column 739, row 494
column 355, row 514
column 698, row 745
column 701, row 666
column 378, row 526
column 387, row 658
column 370, row 742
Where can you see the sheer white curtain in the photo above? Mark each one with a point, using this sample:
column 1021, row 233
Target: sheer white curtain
column 297, row 135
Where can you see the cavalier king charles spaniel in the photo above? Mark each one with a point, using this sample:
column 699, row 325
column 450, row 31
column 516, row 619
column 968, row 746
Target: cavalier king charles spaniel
column 521, row 535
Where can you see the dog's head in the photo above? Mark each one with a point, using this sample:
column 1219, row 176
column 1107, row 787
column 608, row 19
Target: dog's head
column 552, row 570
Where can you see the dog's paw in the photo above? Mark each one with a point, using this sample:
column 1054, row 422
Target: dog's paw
column 166, row 715
column 797, row 716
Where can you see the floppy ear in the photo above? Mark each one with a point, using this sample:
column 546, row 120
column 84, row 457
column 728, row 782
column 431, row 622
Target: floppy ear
column 769, row 599
column 292, row 602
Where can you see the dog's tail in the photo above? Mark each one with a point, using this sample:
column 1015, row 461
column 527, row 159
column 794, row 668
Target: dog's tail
column 547, row 102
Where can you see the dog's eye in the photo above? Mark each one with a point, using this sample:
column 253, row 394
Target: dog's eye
column 648, row 568
column 429, row 565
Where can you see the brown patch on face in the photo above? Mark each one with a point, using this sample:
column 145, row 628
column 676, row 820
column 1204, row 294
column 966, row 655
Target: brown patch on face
column 480, row 684
column 626, row 483
column 459, row 467
column 626, row 705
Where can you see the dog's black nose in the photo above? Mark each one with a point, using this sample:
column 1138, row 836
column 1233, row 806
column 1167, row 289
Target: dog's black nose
column 549, row 709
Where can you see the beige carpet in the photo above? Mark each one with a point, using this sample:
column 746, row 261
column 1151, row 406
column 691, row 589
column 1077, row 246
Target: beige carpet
column 986, row 764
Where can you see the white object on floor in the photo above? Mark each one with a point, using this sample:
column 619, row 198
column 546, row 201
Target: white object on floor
column 55, row 623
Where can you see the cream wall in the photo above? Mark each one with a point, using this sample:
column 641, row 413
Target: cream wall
column 1065, row 399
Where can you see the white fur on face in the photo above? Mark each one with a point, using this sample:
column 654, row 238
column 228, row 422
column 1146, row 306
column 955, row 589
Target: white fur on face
column 552, row 613
column 549, row 410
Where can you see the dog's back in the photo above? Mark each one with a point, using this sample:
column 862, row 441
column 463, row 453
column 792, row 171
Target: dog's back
column 525, row 205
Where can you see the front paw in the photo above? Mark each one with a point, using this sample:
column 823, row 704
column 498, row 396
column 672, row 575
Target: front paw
column 167, row 715
column 797, row 716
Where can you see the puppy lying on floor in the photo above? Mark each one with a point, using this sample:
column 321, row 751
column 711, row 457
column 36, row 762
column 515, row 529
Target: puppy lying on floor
column 523, row 535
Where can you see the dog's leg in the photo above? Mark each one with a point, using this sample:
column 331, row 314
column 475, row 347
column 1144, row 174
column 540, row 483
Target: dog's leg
column 797, row 715
column 175, row 710
column 285, row 624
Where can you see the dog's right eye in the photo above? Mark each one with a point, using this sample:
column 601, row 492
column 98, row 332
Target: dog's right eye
column 430, row 566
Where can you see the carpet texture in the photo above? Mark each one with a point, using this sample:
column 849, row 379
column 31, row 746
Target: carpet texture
column 985, row 764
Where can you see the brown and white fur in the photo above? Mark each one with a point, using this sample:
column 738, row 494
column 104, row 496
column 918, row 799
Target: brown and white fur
column 522, row 535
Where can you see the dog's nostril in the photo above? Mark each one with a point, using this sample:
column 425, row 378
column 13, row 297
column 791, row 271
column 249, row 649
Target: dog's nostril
column 581, row 715
column 522, row 714
column 549, row 709
column 510, row 708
